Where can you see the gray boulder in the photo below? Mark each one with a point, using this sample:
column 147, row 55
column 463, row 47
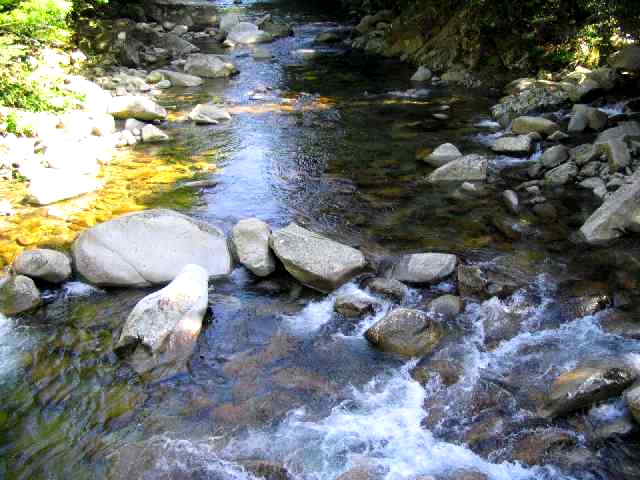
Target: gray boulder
column 149, row 248
column 209, row 66
column 524, row 125
column 562, row 174
column 617, row 153
column 138, row 107
column 622, row 131
column 208, row 114
column 180, row 79
column 406, row 332
column 166, row 323
column 520, row 145
column 314, row 260
column 583, row 154
column 447, row 306
column 442, row 155
column 628, row 59
column 617, row 214
column 353, row 306
column 250, row 239
column 466, row 169
column 43, row 264
column 424, row 267
column 584, row 386
column 388, row 287
column 423, row 74
column 554, row 156
column 18, row 294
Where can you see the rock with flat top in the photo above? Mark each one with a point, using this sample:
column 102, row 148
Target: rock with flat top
column 250, row 239
column 315, row 260
column 138, row 107
column 424, row 267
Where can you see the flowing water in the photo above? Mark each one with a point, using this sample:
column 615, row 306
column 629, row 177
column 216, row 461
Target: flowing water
column 277, row 375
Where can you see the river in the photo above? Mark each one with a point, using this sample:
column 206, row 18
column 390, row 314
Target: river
column 325, row 137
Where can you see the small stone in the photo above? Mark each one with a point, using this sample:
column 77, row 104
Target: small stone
column 389, row 287
column 520, row 145
column 554, row 156
column 447, row 306
column 558, row 136
column 424, row 267
column 561, row 174
column 353, row 306
column 152, row 134
column 525, row 124
column 423, row 74
column 445, row 153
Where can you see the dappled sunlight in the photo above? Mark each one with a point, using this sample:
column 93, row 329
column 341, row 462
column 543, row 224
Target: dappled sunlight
column 133, row 181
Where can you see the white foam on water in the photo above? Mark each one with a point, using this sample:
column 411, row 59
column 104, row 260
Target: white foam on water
column 486, row 123
column 316, row 314
column 487, row 139
column 411, row 93
column 381, row 425
column 79, row 289
column 613, row 109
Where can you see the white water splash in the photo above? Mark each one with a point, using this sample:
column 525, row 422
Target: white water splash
column 486, row 123
column 14, row 341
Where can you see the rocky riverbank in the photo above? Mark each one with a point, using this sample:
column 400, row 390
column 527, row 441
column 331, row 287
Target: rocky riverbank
column 212, row 340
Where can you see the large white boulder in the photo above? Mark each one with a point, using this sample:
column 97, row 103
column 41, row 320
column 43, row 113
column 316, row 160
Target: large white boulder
column 251, row 242
column 47, row 185
column 148, row 248
column 166, row 323
column 314, row 260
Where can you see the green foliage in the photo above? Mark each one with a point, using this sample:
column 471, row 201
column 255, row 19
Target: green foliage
column 13, row 125
column 44, row 20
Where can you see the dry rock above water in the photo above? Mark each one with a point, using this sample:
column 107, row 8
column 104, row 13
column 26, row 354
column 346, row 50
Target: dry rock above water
column 43, row 264
column 406, row 332
column 166, row 323
column 314, row 260
column 18, row 294
column 149, row 248
column 250, row 239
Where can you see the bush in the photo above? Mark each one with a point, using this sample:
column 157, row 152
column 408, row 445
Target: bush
column 44, row 20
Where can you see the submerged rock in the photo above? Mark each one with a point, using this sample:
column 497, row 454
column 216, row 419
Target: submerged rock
column 425, row 267
column 389, row 288
column 448, row 306
column 208, row 114
column 209, row 66
column 442, row 155
column 43, row 264
column 314, row 260
column 468, row 168
column 406, row 332
column 18, row 294
column 178, row 79
column 353, row 306
column 148, row 248
column 166, row 324
column 585, row 386
column 250, row 239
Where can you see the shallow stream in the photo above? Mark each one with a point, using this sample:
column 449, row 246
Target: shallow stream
column 327, row 138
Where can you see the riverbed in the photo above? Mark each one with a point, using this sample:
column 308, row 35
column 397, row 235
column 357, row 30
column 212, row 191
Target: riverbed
column 327, row 137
